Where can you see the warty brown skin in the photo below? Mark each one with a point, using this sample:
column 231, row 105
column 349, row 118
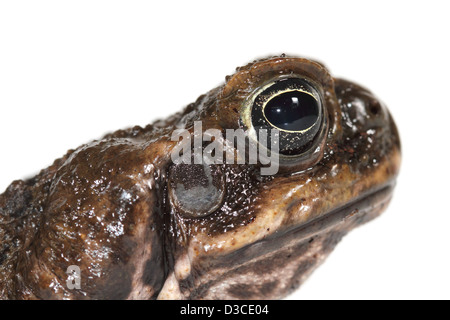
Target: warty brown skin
column 105, row 206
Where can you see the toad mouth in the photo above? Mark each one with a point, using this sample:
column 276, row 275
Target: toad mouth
column 363, row 209
column 366, row 207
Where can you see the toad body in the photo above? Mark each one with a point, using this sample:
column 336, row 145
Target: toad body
column 120, row 218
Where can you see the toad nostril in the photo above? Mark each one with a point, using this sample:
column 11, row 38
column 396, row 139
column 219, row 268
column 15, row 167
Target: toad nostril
column 374, row 107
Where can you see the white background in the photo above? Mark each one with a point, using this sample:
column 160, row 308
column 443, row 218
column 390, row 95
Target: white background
column 71, row 71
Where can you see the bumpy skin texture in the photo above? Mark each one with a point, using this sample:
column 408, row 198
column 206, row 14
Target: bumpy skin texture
column 105, row 206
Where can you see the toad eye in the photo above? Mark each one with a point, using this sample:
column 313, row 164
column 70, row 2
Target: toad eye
column 292, row 111
column 294, row 107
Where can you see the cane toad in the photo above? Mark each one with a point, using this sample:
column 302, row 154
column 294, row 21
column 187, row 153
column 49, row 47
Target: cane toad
column 139, row 226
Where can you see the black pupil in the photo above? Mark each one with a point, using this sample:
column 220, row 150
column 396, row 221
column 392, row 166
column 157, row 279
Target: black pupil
column 292, row 111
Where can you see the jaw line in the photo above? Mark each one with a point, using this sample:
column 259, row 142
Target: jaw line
column 356, row 209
